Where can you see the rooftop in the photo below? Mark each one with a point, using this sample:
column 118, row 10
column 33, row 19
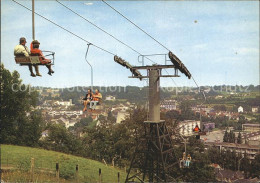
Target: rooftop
column 251, row 124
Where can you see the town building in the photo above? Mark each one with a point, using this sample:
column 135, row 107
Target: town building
column 254, row 109
column 67, row 113
column 251, row 127
column 208, row 126
column 250, row 150
column 64, row 103
column 203, row 109
column 186, row 127
column 168, row 105
column 240, row 109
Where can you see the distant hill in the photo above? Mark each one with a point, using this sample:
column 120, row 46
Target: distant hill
column 17, row 159
column 139, row 95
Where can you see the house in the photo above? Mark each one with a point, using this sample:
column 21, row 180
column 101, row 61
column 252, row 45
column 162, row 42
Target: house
column 71, row 123
column 45, row 134
column 240, row 109
column 120, row 107
column 219, row 97
column 216, row 166
column 110, row 98
column 121, row 115
column 255, row 109
column 62, row 121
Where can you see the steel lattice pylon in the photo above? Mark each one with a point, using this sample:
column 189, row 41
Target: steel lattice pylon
column 154, row 156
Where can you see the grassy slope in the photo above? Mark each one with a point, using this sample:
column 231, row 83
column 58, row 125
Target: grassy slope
column 19, row 156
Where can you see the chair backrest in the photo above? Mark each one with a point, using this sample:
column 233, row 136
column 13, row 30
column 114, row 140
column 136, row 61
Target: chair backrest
column 22, row 60
column 27, row 60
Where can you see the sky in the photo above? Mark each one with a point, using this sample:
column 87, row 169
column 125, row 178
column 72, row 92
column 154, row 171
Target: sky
column 218, row 41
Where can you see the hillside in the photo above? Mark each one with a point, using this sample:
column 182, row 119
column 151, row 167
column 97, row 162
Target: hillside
column 16, row 159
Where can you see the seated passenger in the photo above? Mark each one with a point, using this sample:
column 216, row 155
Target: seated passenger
column 96, row 99
column 21, row 50
column 35, row 51
column 183, row 160
column 188, row 160
column 87, row 99
column 197, row 130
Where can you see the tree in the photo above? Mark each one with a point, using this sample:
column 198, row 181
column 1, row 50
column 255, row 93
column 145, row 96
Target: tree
column 245, row 165
column 231, row 137
column 225, row 137
column 239, row 138
column 60, row 139
column 18, row 124
column 172, row 114
column 110, row 117
column 113, row 142
column 199, row 170
column 83, row 123
column 255, row 166
column 220, row 107
column 186, row 112
column 214, row 155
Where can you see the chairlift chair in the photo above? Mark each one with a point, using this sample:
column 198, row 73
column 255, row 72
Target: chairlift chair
column 35, row 60
column 182, row 163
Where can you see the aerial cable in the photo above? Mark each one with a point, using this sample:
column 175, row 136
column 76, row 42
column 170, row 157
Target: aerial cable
column 195, row 82
column 78, row 35
column 143, row 32
column 135, row 25
column 105, row 31
column 201, row 91
column 89, row 43
column 99, row 27
column 109, row 34
column 146, row 34
column 65, row 29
